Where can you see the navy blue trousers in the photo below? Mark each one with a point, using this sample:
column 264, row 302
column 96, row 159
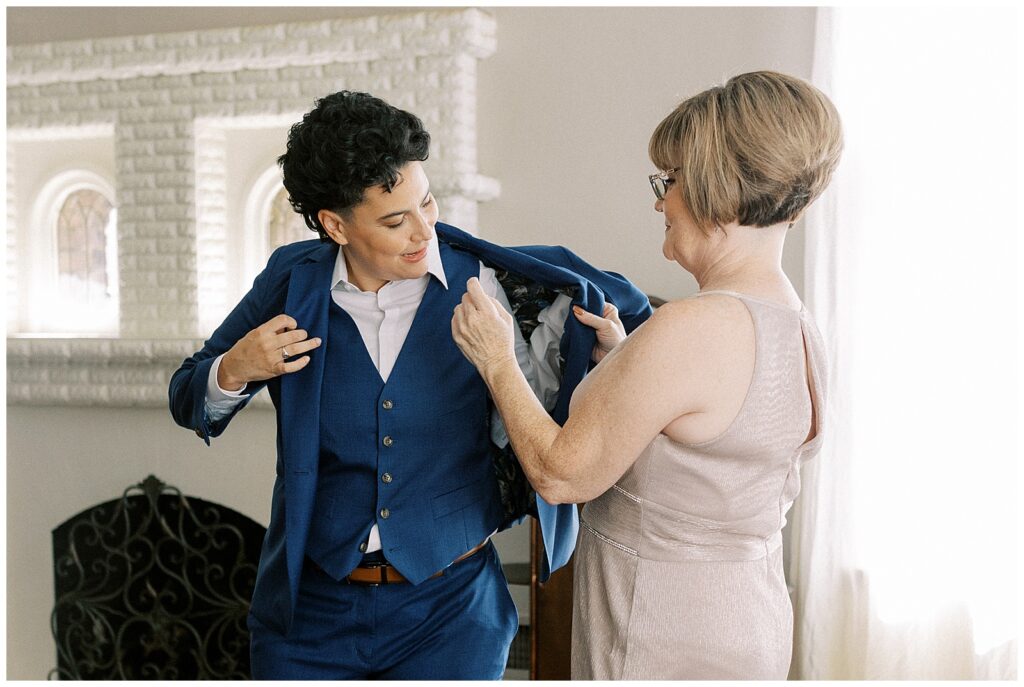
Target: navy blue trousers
column 458, row 626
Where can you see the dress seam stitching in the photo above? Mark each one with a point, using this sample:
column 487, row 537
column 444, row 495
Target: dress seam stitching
column 606, row 540
column 631, row 497
column 636, row 571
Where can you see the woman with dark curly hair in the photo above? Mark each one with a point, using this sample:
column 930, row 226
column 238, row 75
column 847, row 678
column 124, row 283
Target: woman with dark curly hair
column 687, row 439
column 349, row 143
column 353, row 581
column 393, row 471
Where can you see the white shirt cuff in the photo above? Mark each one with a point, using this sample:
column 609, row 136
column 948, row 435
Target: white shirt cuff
column 220, row 402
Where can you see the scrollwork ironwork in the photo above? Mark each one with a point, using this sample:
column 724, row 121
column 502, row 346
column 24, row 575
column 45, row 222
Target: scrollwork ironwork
column 154, row 585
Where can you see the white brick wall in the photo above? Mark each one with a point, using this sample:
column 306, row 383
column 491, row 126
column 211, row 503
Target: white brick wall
column 468, row 32
column 211, row 224
column 114, row 372
column 173, row 233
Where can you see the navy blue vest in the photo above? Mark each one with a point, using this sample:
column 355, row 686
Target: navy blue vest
column 412, row 455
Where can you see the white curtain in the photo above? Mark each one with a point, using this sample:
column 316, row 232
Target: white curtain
column 904, row 541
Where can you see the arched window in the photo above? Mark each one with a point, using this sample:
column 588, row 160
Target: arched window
column 85, row 237
column 73, row 270
column 269, row 222
column 284, row 225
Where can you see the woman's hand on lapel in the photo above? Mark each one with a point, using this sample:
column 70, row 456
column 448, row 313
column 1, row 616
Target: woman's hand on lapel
column 483, row 330
column 609, row 329
column 263, row 353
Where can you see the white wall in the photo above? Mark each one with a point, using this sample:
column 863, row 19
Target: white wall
column 565, row 107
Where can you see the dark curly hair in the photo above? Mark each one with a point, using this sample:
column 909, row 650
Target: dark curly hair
column 347, row 143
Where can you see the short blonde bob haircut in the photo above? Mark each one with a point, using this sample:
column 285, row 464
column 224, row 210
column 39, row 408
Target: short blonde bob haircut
column 756, row 151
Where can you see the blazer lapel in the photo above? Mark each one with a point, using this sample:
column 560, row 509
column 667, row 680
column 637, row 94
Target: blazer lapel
column 309, row 294
column 541, row 265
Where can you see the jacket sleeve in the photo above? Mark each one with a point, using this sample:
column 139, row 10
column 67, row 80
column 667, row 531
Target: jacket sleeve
column 187, row 390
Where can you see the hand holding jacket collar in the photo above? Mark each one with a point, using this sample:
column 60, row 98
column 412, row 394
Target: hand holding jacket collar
column 483, row 330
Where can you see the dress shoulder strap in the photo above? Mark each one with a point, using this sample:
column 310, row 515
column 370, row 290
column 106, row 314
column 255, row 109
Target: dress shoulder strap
column 745, row 297
column 721, row 292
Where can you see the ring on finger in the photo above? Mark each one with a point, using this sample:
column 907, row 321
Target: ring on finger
column 284, row 353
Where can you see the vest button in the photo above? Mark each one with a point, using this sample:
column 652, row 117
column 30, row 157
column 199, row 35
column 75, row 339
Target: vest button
column 386, row 478
column 388, row 441
column 385, row 513
column 388, row 405
column 362, row 548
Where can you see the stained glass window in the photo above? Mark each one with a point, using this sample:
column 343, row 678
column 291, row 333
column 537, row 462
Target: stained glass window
column 86, row 248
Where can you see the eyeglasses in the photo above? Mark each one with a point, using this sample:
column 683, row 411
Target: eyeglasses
column 661, row 181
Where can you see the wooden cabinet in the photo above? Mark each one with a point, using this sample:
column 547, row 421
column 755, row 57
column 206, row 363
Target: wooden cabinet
column 550, row 616
column 541, row 649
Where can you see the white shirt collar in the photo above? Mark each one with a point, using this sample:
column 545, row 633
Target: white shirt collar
column 434, row 267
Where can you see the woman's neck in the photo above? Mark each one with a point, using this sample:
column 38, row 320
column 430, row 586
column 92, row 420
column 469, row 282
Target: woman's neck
column 747, row 260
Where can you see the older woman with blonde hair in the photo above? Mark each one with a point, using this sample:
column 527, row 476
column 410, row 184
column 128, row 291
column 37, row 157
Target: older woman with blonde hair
column 686, row 441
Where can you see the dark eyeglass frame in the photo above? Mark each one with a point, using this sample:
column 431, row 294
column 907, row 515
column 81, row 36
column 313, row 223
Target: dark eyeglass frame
column 661, row 182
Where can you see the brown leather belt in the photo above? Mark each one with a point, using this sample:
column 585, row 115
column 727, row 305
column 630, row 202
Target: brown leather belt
column 384, row 573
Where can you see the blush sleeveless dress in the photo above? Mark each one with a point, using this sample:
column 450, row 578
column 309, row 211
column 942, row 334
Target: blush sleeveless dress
column 678, row 568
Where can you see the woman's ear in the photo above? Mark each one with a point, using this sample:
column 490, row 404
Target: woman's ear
column 334, row 225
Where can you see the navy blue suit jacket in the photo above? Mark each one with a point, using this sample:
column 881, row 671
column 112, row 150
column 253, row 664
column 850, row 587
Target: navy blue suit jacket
column 297, row 281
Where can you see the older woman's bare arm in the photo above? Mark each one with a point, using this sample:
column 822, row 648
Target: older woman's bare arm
column 654, row 377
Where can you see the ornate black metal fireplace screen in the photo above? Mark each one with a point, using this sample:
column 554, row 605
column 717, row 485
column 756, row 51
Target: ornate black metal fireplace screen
column 154, row 585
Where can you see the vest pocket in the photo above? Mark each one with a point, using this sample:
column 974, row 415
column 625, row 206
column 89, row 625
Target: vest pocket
column 456, row 500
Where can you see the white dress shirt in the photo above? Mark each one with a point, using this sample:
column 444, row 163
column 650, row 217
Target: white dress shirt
column 383, row 319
